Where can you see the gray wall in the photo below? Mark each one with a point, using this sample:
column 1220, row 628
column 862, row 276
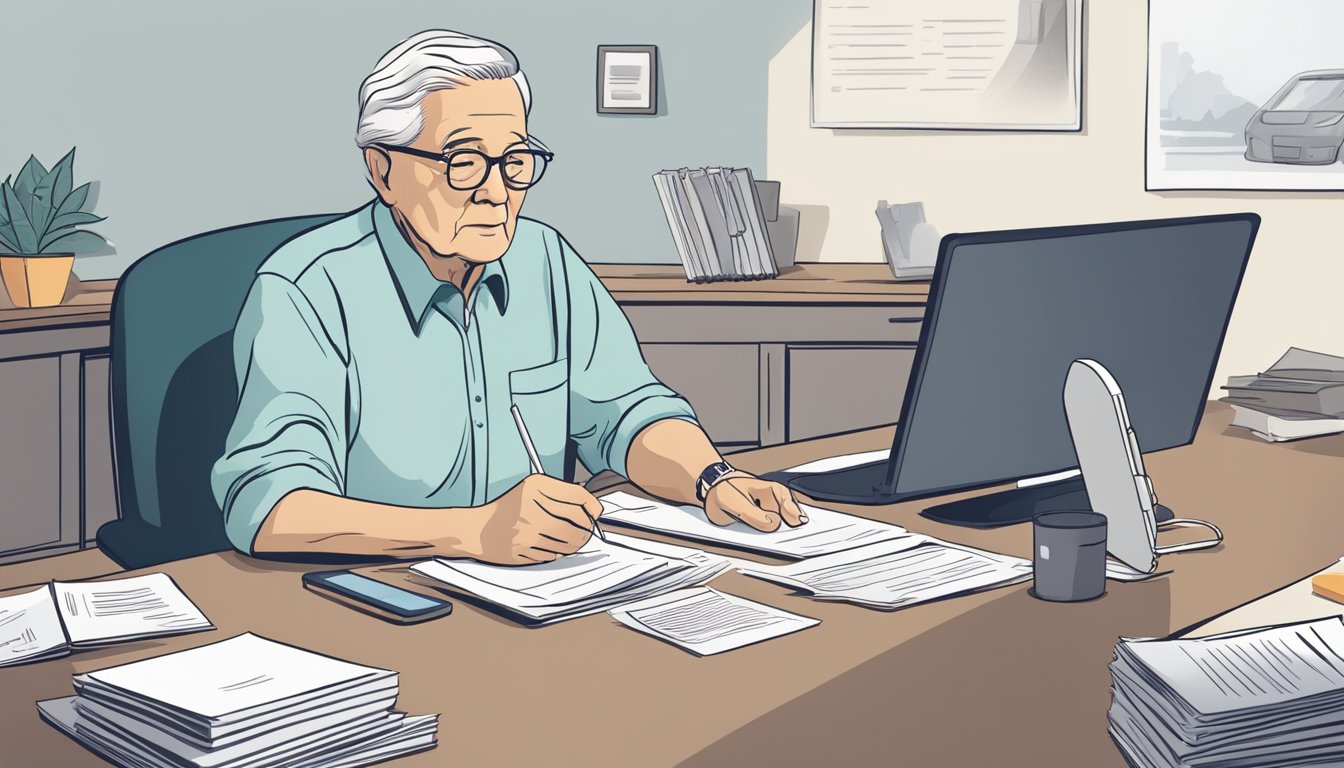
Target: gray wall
column 195, row 115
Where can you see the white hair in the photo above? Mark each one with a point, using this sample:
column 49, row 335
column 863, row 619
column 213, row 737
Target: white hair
column 433, row 60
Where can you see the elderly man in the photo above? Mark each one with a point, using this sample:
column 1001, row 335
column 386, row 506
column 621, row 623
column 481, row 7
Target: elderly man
column 378, row 356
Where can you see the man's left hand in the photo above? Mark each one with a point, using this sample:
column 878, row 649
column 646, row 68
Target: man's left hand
column 762, row 504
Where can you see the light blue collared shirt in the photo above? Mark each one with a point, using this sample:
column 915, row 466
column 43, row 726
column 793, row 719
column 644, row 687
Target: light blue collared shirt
column 361, row 374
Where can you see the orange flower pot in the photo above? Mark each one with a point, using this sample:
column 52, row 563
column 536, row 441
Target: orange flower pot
column 36, row 281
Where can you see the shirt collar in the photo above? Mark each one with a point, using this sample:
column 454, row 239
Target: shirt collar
column 418, row 288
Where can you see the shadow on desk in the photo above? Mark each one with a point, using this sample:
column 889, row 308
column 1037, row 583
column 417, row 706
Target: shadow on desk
column 945, row 673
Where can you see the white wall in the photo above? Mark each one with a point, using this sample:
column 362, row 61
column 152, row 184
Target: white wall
column 984, row 181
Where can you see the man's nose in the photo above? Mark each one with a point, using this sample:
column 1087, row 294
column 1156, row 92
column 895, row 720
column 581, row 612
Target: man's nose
column 493, row 191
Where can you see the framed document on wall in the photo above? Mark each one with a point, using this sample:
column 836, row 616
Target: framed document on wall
column 988, row 65
column 627, row 79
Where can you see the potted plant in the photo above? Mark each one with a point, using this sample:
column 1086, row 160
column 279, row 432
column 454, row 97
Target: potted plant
column 40, row 220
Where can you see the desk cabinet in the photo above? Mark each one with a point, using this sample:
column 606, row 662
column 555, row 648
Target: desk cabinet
column 55, row 447
column 819, row 351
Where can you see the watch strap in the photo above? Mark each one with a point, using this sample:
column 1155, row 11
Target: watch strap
column 709, row 476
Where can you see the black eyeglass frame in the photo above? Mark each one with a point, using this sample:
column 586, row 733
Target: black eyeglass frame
column 546, row 155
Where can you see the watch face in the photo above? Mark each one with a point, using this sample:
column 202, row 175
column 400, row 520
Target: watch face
column 711, row 476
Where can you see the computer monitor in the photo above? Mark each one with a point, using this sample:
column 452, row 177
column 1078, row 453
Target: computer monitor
column 1008, row 313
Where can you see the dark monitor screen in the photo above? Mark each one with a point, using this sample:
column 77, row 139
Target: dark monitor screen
column 1010, row 311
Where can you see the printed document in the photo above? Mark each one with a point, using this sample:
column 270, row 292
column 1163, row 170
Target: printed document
column 705, row 621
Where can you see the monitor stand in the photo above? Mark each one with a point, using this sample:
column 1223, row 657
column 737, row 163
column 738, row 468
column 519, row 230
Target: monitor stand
column 1019, row 505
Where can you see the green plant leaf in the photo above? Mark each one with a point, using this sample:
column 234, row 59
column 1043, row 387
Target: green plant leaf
column 61, row 189
column 63, row 225
column 18, row 219
column 74, row 219
column 50, row 192
column 74, row 201
column 7, row 238
column 26, row 182
column 79, row 241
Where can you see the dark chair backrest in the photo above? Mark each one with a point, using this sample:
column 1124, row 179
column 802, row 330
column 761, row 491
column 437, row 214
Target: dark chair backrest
column 173, row 387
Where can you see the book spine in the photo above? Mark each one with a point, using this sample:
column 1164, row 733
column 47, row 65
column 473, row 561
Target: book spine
column 660, row 182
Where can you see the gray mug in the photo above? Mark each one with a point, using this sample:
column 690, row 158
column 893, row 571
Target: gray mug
column 1069, row 556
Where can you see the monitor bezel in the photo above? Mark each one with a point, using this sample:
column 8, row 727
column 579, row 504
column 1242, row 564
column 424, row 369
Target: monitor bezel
column 946, row 251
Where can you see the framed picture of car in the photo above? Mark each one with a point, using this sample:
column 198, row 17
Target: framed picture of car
column 1245, row 94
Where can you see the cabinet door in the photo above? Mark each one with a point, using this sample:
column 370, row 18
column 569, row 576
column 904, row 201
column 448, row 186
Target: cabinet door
column 100, row 491
column 840, row 389
column 37, row 509
column 721, row 381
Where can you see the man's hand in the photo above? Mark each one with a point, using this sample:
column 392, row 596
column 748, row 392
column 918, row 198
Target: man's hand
column 536, row 521
column 762, row 504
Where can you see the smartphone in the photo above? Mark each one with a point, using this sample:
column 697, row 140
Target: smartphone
column 389, row 603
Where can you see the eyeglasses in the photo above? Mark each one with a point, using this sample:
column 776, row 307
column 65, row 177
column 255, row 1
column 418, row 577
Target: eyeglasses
column 468, row 169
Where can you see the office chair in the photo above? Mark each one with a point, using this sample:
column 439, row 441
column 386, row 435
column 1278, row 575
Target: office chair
column 173, row 387
column 174, row 390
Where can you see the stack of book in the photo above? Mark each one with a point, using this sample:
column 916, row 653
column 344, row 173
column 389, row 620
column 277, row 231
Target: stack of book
column 245, row 701
column 717, row 222
column 1257, row 698
column 1301, row 395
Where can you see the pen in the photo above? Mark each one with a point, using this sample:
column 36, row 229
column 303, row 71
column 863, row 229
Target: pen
column 535, row 461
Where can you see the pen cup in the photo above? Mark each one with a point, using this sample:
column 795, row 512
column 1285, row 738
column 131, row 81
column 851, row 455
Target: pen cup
column 1069, row 556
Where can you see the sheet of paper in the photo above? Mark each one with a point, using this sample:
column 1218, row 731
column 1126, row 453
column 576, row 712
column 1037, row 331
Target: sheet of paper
column 29, row 628
column 597, row 577
column 1005, row 64
column 597, row 567
column 834, row 463
column 705, row 621
column 243, row 674
column 98, row 612
column 895, row 574
column 671, row 551
column 1118, row 571
column 625, row 83
column 826, row 530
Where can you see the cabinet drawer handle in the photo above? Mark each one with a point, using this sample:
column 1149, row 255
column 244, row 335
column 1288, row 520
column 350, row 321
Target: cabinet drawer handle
column 904, row 319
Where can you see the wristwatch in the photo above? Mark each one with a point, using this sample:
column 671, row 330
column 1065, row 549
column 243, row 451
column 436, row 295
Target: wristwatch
column 711, row 475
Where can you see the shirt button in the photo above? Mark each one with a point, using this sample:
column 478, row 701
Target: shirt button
column 478, row 398
column 480, row 424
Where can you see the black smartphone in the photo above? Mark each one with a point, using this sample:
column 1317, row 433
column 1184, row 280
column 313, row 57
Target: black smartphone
column 375, row 598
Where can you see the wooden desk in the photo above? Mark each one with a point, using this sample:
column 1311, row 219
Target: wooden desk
column 996, row 678
column 760, row 362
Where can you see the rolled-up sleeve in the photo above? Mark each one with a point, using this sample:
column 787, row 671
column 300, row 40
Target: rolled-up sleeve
column 612, row 393
column 290, row 428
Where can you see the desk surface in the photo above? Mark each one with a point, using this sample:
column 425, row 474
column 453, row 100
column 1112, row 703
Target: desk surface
column 90, row 302
column 995, row 678
column 86, row 303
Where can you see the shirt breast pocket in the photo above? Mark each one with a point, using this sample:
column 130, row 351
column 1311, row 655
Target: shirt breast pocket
column 542, row 396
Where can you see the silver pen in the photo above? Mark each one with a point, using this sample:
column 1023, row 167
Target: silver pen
column 535, row 461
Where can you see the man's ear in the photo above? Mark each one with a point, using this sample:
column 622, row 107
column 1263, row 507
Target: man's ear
column 380, row 170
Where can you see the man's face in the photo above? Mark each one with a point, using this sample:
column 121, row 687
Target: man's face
column 477, row 224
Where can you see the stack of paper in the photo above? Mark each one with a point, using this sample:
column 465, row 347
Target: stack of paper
column 59, row 616
column 1263, row 697
column 601, row 575
column 825, row 531
column 245, row 701
column 705, row 621
column 898, row 573
column 1301, row 395
column 717, row 222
